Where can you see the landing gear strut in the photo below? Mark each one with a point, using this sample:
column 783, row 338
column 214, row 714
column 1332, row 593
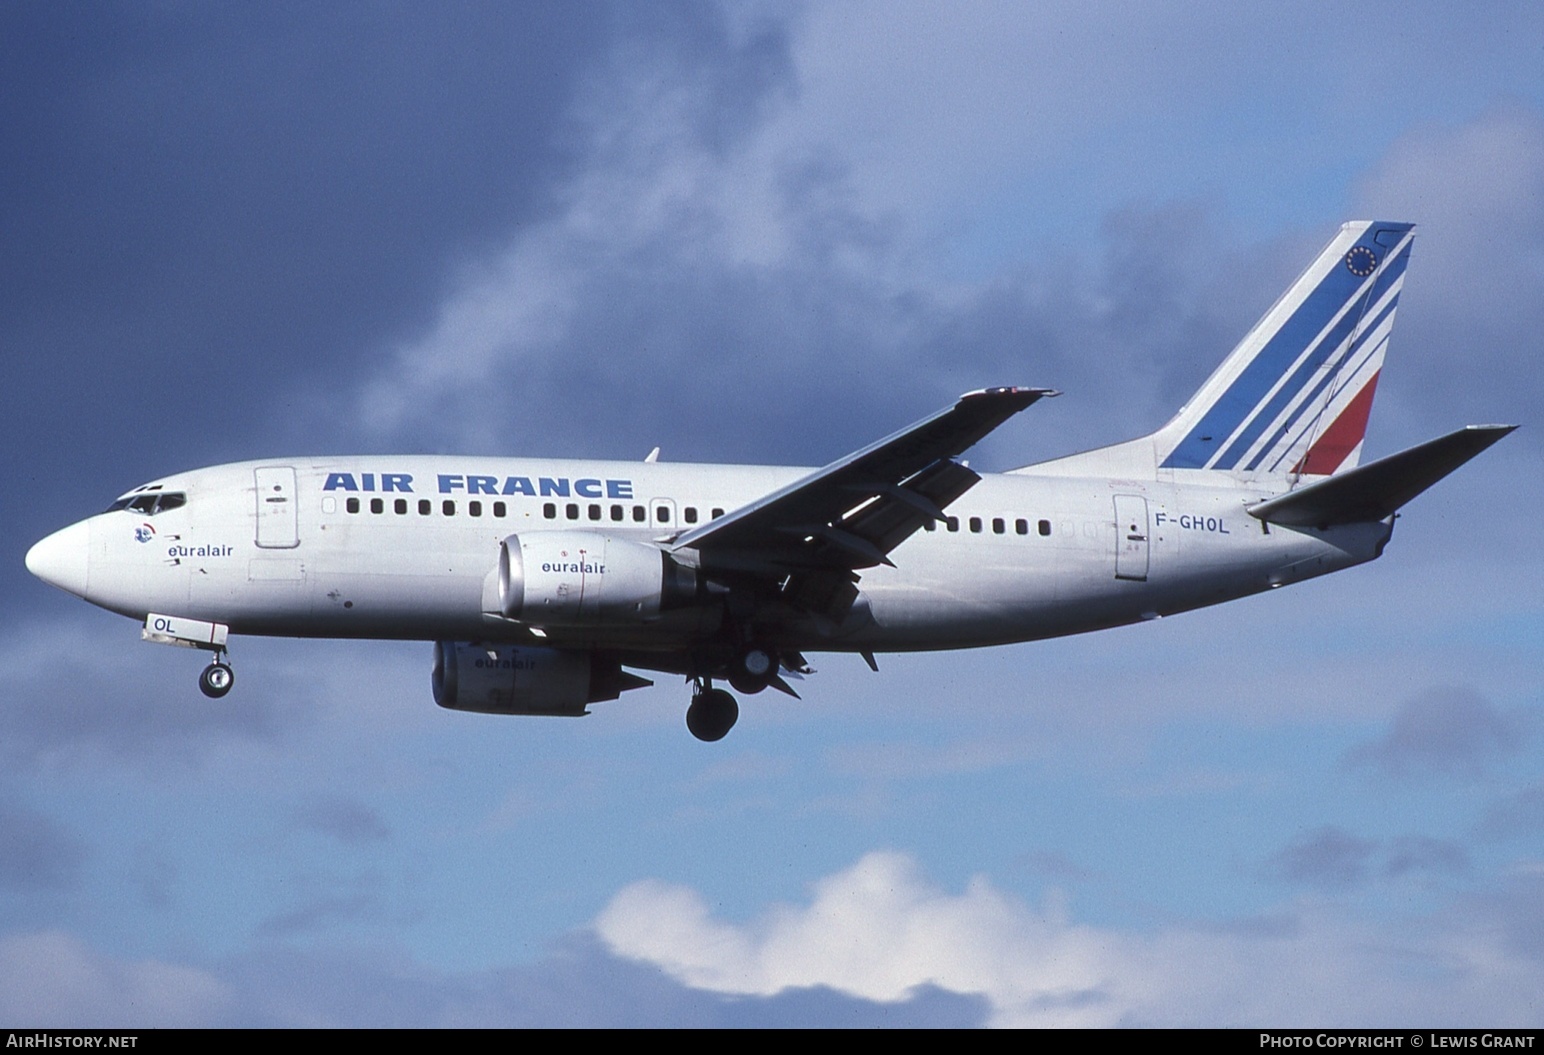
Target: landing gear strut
column 712, row 714
column 217, row 678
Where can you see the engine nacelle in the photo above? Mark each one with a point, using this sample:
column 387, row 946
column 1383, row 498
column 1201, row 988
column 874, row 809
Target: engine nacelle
column 588, row 578
column 510, row 679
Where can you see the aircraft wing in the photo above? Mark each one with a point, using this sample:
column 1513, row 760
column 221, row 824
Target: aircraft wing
column 853, row 512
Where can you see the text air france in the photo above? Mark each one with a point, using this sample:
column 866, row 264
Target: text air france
column 467, row 483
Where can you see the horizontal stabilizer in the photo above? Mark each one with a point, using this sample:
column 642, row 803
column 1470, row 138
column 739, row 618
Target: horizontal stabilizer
column 1374, row 491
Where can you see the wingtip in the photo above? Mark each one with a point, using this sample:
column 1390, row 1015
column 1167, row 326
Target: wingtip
column 1002, row 391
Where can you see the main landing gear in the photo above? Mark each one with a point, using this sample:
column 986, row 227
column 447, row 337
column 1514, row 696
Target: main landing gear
column 217, row 678
column 752, row 669
column 713, row 712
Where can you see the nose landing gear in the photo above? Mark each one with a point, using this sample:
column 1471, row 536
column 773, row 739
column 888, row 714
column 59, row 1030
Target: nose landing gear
column 217, row 678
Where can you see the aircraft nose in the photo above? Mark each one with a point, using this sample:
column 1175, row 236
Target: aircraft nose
column 61, row 558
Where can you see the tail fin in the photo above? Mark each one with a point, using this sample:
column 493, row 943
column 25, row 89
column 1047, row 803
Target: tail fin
column 1294, row 396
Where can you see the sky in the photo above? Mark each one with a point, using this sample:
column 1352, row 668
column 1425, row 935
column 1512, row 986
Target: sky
column 767, row 233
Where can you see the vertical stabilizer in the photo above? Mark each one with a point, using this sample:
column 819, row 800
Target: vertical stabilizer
column 1294, row 396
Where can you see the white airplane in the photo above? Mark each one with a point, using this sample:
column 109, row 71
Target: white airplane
column 540, row 581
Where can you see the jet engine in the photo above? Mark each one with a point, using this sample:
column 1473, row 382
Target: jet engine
column 588, row 578
column 516, row 679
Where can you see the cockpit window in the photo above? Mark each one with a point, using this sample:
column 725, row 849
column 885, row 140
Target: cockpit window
column 150, row 503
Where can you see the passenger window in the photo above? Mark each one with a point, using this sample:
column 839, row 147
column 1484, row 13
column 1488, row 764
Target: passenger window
column 594, row 512
column 400, row 505
column 549, row 510
column 448, row 508
column 572, row 511
column 617, row 513
column 998, row 526
column 377, row 505
column 717, row 512
column 953, row 523
column 352, row 505
column 425, row 507
column 691, row 514
column 638, row 515
column 662, row 514
column 929, row 525
column 499, row 509
column 1045, row 527
column 1021, row 526
column 975, row 525
column 474, row 509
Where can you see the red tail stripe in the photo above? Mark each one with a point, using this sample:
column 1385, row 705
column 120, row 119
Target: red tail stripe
column 1330, row 450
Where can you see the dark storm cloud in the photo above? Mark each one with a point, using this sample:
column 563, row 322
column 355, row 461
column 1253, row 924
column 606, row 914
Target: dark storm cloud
column 215, row 217
column 803, row 357
column 1449, row 732
column 207, row 207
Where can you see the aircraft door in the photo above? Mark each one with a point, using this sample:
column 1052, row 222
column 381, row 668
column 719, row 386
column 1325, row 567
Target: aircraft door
column 277, row 520
column 1131, row 534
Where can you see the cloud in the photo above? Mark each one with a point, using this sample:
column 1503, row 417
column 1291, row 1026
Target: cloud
column 52, row 979
column 1331, row 859
column 1476, row 189
column 347, row 820
column 64, row 701
column 39, row 853
column 1416, row 854
column 1325, row 856
column 1446, row 732
column 1517, row 815
column 878, row 929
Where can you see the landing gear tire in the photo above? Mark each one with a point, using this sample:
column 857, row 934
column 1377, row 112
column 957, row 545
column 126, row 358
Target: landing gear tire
column 216, row 680
column 753, row 669
column 712, row 714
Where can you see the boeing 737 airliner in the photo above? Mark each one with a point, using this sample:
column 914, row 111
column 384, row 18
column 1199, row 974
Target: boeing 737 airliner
column 541, row 582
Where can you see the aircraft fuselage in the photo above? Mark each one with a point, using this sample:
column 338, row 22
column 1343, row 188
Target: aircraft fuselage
column 407, row 548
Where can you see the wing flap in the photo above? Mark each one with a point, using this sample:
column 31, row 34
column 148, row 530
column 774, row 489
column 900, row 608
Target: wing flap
column 1378, row 489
